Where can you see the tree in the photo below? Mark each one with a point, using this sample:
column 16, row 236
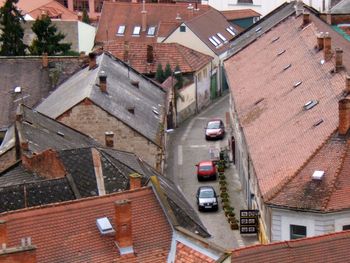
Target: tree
column 85, row 17
column 47, row 38
column 160, row 74
column 167, row 71
column 11, row 38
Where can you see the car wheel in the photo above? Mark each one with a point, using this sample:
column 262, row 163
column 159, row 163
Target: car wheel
column 214, row 177
column 207, row 138
column 199, row 178
column 199, row 208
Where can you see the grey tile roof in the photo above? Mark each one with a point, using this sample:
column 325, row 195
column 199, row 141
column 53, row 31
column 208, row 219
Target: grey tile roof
column 120, row 95
column 17, row 174
column 261, row 27
column 43, row 133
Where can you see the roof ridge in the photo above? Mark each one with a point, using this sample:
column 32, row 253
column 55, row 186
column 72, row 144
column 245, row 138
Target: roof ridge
column 279, row 187
column 339, row 169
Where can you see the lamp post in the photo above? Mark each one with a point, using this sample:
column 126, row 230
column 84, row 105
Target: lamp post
column 174, row 97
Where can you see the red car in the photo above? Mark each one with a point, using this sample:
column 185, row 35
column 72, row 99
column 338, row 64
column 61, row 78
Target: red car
column 215, row 129
column 206, row 170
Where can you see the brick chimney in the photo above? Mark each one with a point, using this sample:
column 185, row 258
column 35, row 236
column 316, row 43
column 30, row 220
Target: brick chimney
column 327, row 46
column 344, row 116
column 25, row 253
column 109, row 139
column 347, row 84
column 320, row 37
column 103, row 81
column 46, row 164
column 92, row 61
column 3, row 232
column 150, row 57
column 123, row 225
column 306, row 18
column 338, row 59
column 143, row 17
column 135, row 181
column 45, row 60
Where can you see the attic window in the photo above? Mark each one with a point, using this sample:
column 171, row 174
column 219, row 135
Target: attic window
column 310, row 104
column 275, row 39
column 281, row 52
column 296, row 84
column 221, row 37
column 287, row 67
column 213, row 42
column 230, row 31
column 121, row 30
column 151, row 30
column 182, row 28
column 136, row 31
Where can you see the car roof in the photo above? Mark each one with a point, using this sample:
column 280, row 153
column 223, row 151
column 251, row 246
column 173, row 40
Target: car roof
column 204, row 188
column 214, row 120
column 203, row 163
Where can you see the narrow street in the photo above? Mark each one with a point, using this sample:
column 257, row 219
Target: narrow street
column 187, row 146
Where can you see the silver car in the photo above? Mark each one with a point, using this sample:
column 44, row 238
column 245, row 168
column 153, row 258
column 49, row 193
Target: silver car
column 207, row 198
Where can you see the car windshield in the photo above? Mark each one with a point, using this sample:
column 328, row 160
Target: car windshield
column 213, row 125
column 205, row 168
column 206, row 193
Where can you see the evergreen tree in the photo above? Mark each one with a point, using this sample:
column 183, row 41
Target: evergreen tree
column 167, row 71
column 11, row 38
column 47, row 38
column 85, row 18
column 160, row 74
column 179, row 78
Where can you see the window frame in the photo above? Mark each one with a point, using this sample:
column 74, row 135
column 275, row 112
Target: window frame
column 294, row 235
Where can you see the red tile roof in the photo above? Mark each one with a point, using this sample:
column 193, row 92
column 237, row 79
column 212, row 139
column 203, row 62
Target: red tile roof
column 239, row 14
column 67, row 232
column 327, row 248
column 175, row 54
column 163, row 16
column 185, row 254
column 280, row 135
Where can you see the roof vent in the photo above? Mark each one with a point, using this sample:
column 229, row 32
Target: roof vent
column 317, row 175
column 281, row 52
column 310, row 104
column 131, row 110
column 104, row 226
column 18, row 89
column 135, row 83
column 275, row 39
column 60, row 134
column 190, row 6
column 296, row 84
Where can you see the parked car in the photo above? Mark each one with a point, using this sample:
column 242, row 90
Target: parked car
column 206, row 198
column 206, row 170
column 215, row 129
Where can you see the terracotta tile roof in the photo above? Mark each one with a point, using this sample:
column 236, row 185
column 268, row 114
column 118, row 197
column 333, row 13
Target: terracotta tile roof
column 239, row 14
column 163, row 16
column 280, row 135
column 326, row 248
column 67, row 232
column 175, row 54
column 209, row 24
column 185, row 254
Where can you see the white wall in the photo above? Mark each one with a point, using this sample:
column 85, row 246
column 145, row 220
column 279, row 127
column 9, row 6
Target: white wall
column 316, row 223
column 86, row 37
column 203, row 87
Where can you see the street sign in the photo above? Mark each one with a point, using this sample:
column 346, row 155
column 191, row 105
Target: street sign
column 249, row 223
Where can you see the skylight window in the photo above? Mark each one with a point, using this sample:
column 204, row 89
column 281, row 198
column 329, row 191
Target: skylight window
column 136, row 30
column 230, row 31
column 121, row 30
column 216, row 40
column 222, row 37
column 151, row 31
column 213, row 42
column 310, row 104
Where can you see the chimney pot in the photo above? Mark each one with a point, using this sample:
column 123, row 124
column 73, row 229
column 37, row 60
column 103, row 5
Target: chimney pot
column 344, row 116
column 135, row 181
column 109, row 139
column 327, row 46
column 103, row 81
column 338, row 59
column 123, row 223
column 306, row 18
column 3, row 232
column 92, row 61
column 45, row 60
column 144, row 20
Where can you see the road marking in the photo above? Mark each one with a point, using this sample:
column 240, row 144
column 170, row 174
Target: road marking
column 202, row 118
column 189, row 127
column 179, row 155
column 197, row 146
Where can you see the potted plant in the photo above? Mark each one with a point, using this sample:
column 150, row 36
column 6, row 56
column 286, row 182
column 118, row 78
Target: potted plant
column 223, row 188
column 224, row 195
column 222, row 176
column 222, row 182
column 221, row 166
column 228, row 210
column 234, row 224
column 225, row 204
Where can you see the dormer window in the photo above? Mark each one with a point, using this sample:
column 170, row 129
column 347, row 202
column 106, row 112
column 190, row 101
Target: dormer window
column 151, row 31
column 136, row 31
column 121, row 30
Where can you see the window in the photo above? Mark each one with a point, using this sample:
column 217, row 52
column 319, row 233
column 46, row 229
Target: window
column 80, row 5
column 216, row 40
column 182, row 28
column 151, row 30
column 230, row 31
column 213, row 42
column 297, row 231
column 244, row 1
column 121, row 30
column 222, row 37
column 205, row 74
column 136, row 30
column 346, row 227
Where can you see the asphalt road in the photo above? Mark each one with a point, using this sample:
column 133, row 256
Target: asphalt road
column 187, row 146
